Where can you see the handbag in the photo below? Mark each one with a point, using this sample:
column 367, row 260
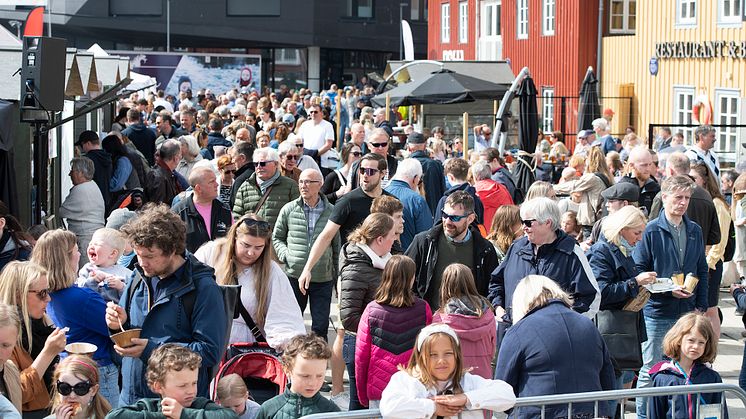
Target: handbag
column 621, row 331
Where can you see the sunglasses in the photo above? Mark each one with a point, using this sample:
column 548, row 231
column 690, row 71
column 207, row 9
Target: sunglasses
column 81, row 389
column 454, row 218
column 528, row 223
column 299, row 145
column 259, row 225
column 368, row 171
column 379, row 145
column 262, row 163
column 42, row 294
column 312, row 112
column 292, row 157
column 229, row 172
column 357, row 153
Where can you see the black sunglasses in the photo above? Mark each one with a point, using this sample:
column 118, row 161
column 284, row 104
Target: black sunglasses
column 454, row 218
column 368, row 171
column 379, row 145
column 81, row 389
column 357, row 153
column 42, row 294
column 229, row 172
column 299, row 145
column 260, row 225
column 312, row 112
column 292, row 157
column 262, row 163
column 528, row 223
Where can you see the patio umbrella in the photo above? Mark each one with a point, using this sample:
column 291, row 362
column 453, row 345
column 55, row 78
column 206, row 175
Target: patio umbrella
column 589, row 107
column 441, row 87
column 528, row 131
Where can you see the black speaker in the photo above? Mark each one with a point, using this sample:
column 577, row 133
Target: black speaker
column 42, row 75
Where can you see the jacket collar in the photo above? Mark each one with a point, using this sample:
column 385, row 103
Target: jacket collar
column 663, row 222
column 563, row 243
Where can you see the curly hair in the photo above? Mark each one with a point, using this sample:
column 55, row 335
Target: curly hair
column 308, row 346
column 157, row 226
column 170, row 357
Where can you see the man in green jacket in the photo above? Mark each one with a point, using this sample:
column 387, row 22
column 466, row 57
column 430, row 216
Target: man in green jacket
column 266, row 191
column 297, row 228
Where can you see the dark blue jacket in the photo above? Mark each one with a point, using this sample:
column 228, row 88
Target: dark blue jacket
column 656, row 251
column 466, row 187
column 608, row 143
column 433, row 178
column 665, row 374
column 554, row 350
column 165, row 321
column 144, row 139
column 213, row 139
column 417, row 216
column 503, row 176
column 562, row 260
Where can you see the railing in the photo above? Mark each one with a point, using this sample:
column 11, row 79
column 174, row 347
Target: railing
column 595, row 397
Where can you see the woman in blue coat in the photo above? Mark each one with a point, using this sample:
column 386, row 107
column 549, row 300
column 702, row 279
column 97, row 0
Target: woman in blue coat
column 551, row 349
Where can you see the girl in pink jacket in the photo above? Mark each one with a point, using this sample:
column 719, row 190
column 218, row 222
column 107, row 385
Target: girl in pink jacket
column 471, row 316
column 388, row 330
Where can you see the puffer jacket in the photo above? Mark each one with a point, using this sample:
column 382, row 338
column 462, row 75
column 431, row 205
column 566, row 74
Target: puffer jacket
column 359, row 281
column 385, row 339
column 493, row 195
column 248, row 196
column 666, row 374
column 201, row 408
column 477, row 335
column 290, row 240
column 590, row 187
column 289, row 405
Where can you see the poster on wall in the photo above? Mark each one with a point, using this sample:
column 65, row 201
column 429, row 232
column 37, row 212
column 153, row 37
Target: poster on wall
column 180, row 72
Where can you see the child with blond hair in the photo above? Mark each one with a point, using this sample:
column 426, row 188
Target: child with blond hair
column 102, row 273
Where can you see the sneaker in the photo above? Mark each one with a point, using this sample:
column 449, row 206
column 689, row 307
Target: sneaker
column 326, row 388
column 342, row 400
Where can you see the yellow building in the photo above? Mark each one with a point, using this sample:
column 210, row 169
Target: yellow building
column 668, row 55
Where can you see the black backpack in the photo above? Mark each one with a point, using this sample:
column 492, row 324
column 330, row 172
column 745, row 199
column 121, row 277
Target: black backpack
column 730, row 247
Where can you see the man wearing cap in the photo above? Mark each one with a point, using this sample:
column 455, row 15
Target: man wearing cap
column 604, row 139
column 289, row 119
column 379, row 119
column 583, row 144
column 616, row 196
column 90, row 144
column 432, row 170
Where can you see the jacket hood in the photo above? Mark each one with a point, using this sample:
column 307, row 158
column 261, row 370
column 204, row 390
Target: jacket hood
column 491, row 193
column 669, row 367
column 462, row 187
column 138, row 127
column 562, row 243
column 469, row 327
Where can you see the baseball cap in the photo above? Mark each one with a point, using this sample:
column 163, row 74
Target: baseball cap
column 288, row 119
column 585, row 133
column 416, row 138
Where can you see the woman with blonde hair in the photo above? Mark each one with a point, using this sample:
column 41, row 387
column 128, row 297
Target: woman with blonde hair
column 24, row 285
column 506, row 227
column 10, row 378
column 76, row 392
column 246, row 257
column 540, row 189
column 579, row 359
column 80, row 309
column 190, row 155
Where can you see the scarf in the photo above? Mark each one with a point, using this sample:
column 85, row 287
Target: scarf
column 264, row 184
column 379, row 262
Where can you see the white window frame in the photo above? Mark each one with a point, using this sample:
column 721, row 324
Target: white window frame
column 683, row 116
column 414, row 9
column 463, row 22
column 547, row 109
column 727, row 144
column 521, row 14
column 625, row 29
column 445, row 22
column 549, row 17
column 489, row 28
column 732, row 16
column 689, row 21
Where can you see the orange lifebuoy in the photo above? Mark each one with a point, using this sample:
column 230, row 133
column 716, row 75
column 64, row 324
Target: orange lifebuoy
column 702, row 110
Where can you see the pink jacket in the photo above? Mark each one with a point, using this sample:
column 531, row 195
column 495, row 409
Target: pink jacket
column 385, row 338
column 478, row 337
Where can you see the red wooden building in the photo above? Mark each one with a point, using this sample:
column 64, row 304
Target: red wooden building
column 451, row 30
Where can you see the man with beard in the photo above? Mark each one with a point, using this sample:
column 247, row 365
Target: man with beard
column 350, row 211
column 453, row 239
column 641, row 174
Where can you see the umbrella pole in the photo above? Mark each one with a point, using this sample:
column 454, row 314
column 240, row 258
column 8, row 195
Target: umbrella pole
column 494, row 118
column 466, row 135
column 388, row 106
column 339, row 119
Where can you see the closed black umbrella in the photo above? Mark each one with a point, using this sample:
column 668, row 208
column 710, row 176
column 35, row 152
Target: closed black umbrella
column 528, row 131
column 589, row 107
column 441, row 87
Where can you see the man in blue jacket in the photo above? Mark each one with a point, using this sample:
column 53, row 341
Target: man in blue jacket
column 433, row 179
column 671, row 244
column 172, row 297
column 416, row 212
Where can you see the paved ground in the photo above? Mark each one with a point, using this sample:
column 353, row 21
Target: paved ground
column 728, row 362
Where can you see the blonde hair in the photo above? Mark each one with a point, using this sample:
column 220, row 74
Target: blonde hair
column 502, row 231
column 83, row 368
column 375, row 225
column 170, row 357
column 597, row 164
column 112, row 237
column 535, row 291
column 9, row 317
column 15, row 282
column 230, row 386
column 626, row 217
column 52, row 252
column 420, row 359
column 688, row 322
column 539, row 189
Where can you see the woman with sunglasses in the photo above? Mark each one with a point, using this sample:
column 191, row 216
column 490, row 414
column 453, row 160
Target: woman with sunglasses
column 75, row 394
column 245, row 257
column 24, row 285
column 81, row 310
column 336, row 184
column 227, row 169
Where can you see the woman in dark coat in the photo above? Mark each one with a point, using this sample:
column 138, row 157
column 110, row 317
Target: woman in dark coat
column 551, row 349
column 13, row 244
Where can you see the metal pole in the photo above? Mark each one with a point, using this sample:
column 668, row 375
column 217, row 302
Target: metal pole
column 599, row 46
column 401, row 32
column 49, row 20
column 168, row 25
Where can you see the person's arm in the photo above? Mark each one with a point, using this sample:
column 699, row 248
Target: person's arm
column 280, row 232
column 422, row 219
column 703, row 274
column 351, row 299
column 587, row 297
column 284, row 319
column 327, row 145
column 494, row 395
column 121, row 174
column 318, row 249
column 656, row 207
column 613, row 288
column 716, row 252
column 496, row 293
column 400, row 399
column 362, row 357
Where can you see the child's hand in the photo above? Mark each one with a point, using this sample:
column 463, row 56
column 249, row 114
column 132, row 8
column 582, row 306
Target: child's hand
column 446, row 410
column 115, row 282
column 171, row 408
column 453, row 400
column 98, row 276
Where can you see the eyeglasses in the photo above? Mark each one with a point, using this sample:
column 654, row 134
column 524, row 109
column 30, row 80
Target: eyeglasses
column 528, row 223
column 229, row 172
column 312, row 112
column 378, row 145
column 81, row 389
column 454, row 218
column 299, row 145
column 42, row 294
column 292, row 157
column 368, row 171
column 262, row 163
column 308, row 182
column 357, row 153
column 258, row 224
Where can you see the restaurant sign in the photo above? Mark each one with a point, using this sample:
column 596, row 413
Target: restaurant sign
column 705, row 49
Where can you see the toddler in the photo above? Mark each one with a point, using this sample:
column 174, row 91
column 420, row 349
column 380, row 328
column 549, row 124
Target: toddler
column 102, row 273
column 233, row 394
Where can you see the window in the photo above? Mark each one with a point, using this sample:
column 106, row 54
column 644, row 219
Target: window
column 686, row 13
column 548, row 23
column 522, row 19
column 362, row 9
column 729, row 13
column 489, row 44
column 414, row 10
column 445, row 22
column 683, row 98
column 252, row 8
column 547, row 109
column 727, row 111
column 623, row 16
column 491, row 20
column 463, row 22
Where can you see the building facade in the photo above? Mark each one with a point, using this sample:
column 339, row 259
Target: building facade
column 676, row 58
column 464, row 30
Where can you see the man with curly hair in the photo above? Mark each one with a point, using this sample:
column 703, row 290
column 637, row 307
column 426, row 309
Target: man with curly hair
column 171, row 297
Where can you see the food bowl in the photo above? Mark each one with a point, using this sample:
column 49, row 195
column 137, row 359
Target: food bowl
column 124, row 339
column 81, row 348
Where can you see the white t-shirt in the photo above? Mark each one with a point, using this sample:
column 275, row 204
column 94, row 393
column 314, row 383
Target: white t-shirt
column 315, row 135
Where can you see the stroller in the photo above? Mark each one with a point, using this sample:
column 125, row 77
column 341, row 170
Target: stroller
column 259, row 367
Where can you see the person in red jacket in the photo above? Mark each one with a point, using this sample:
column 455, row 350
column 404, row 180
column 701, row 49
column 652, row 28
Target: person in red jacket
column 492, row 194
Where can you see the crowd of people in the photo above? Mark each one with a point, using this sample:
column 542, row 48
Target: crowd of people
column 456, row 290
